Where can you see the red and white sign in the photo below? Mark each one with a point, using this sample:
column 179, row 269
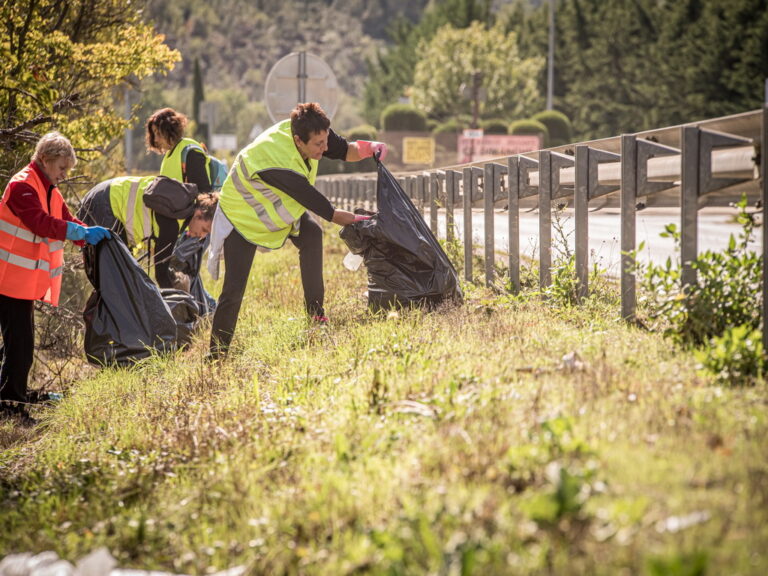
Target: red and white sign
column 495, row 146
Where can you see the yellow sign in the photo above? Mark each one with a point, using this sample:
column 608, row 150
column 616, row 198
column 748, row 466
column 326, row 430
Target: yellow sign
column 418, row 150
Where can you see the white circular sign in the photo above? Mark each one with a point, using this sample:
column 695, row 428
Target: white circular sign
column 300, row 77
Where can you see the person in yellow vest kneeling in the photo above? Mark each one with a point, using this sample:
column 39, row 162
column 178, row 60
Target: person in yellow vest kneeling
column 266, row 199
column 34, row 221
column 118, row 204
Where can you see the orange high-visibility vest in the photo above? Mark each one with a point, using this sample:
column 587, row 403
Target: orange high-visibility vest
column 30, row 266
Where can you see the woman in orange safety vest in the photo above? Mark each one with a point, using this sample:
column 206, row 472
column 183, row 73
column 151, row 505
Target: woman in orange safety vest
column 34, row 222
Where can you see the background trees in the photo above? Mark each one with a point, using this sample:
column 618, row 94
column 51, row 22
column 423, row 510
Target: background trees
column 620, row 66
column 61, row 63
column 478, row 70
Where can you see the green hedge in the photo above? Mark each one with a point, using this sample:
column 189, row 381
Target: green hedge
column 494, row 126
column 403, row 117
column 529, row 127
column 558, row 125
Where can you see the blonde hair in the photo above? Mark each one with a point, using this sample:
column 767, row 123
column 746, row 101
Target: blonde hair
column 54, row 145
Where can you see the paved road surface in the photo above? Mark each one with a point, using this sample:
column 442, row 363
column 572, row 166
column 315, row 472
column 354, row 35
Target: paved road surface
column 715, row 227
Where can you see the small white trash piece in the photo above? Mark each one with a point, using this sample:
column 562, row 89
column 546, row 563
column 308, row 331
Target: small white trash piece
column 352, row 261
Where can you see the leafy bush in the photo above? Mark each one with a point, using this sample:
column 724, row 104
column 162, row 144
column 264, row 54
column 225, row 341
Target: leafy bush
column 403, row 117
column 736, row 357
column 494, row 126
column 452, row 126
column 727, row 292
column 558, row 126
column 362, row 132
column 529, row 127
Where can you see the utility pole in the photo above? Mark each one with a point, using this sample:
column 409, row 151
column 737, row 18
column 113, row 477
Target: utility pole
column 128, row 132
column 551, row 55
column 477, row 79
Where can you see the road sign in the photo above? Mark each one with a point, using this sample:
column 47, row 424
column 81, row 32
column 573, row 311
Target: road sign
column 418, row 150
column 300, row 77
column 224, row 142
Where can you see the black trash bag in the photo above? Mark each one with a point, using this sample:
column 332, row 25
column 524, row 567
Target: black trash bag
column 126, row 318
column 406, row 264
column 185, row 311
column 187, row 259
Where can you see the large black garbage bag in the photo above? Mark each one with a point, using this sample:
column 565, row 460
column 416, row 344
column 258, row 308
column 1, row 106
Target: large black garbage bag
column 406, row 264
column 185, row 312
column 126, row 318
column 187, row 258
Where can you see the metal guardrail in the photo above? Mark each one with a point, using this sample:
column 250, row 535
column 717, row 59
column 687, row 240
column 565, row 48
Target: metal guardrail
column 692, row 165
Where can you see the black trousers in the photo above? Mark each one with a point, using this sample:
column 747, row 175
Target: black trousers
column 238, row 258
column 17, row 322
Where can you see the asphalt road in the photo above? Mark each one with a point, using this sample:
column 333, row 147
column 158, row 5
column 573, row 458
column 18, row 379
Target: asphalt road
column 715, row 227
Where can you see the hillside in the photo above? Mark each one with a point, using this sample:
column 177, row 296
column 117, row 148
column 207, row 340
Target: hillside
column 238, row 41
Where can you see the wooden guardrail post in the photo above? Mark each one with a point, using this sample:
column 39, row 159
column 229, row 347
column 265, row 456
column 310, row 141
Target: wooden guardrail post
column 513, row 221
column 452, row 182
column 434, row 195
column 628, row 224
column 581, row 217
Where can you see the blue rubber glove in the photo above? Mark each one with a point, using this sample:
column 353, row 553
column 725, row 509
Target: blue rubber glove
column 95, row 234
column 75, row 232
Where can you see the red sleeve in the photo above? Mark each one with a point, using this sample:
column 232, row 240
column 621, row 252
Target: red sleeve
column 24, row 202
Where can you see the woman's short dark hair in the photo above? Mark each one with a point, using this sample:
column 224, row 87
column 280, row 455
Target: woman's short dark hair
column 308, row 119
column 207, row 203
column 169, row 123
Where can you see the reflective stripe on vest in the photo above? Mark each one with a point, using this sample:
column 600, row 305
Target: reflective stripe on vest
column 265, row 215
column 31, row 267
column 130, row 214
column 27, row 236
column 126, row 201
column 269, row 195
column 29, row 264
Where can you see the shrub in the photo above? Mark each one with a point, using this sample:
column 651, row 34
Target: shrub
column 727, row 292
column 735, row 358
column 529, row 127
column 452, row 126
column 494, row 126
column 558, row 126
column 403, row 117
column 362, row 132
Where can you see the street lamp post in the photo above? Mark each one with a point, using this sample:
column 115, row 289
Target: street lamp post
column 551, row 55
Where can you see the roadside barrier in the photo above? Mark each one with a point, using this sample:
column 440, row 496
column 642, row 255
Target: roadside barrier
column 712, row 162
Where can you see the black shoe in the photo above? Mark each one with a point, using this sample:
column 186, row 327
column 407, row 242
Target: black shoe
column 18, row 412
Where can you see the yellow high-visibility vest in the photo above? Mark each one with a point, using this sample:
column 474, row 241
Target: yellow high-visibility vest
column 126, row 200
column 173, row 166
column 262, row 214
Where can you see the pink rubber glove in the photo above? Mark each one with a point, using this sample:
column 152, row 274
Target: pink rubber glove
column 361, row 217
column 367, row 148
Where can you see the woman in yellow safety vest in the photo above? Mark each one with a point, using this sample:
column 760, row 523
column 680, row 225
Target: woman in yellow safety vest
column 265, row 200
column 184, row 159
column 118, row 204
column 34, row 221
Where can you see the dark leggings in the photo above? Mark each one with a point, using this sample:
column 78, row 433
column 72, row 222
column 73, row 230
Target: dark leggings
column 238, row 258
column 17, row 321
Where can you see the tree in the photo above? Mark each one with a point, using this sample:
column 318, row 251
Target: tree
column 390, row 73
column 457, row 64
column 198, row 97
column 61, row 63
